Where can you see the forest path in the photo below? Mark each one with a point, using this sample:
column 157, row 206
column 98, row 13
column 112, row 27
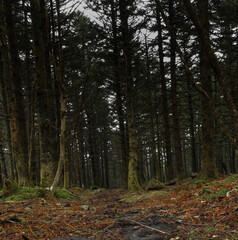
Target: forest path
column 206, row 210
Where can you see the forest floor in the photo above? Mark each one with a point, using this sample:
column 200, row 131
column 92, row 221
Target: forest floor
column 189, row 210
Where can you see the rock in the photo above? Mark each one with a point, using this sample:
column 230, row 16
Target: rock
column 154, row 184
column 85, row 207
column 98, row 190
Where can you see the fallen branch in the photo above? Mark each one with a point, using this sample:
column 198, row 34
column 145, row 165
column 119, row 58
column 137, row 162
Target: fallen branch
column 191, row 224
column 151, row 228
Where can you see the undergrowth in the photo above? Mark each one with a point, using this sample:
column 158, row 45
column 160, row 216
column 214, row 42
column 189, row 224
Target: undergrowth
column 63, row 193
column 27, row 193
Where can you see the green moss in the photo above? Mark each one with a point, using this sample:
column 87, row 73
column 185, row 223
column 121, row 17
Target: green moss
column 9, row 188
column 232, row 178
column 199, row 182
column 131, row 199
column 209, row 194
column 27, row 193
column 63, row 193
column 154, row 184
column 46, row 172
column 133, row 175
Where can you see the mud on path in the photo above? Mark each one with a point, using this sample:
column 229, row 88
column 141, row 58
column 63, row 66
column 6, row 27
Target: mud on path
column 172, row 213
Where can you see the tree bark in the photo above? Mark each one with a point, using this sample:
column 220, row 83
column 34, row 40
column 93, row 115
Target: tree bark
column 62, row 159
column 156, row 165
column 208, row 132
column 42, row 92
column 170, row 169
column 119, row 103
column 16, row 101
column 133, row 168
column 175, row 114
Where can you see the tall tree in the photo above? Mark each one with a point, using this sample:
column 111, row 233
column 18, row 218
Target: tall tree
column 156, row 164
column 208, row 132
column 175, row 114
column 127, row 38
column 118, row 91
column 38, row 30
column 170, row 168
column 15, row 100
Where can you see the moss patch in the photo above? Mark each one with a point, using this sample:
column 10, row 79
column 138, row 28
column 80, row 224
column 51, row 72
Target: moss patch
column 209, row 194
column 130, row 198
column 63, row 193
column 154, row 184
column 27, row 193
column 232, row 178
column 199, row 182
column 10, row 187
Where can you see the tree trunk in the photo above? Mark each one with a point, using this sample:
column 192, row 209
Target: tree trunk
column 208, row 132
column 175, row 114
column 82, row 170
column 191, row 129
column 170, row 170
column 119, row 104
column 16, row 101
column 42, row 92
column 106, row 160
column 62, row 159
column 92, row 150
column 156, row 166
column 133, row 168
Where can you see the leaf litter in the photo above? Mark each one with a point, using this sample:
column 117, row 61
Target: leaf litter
column 188, row 210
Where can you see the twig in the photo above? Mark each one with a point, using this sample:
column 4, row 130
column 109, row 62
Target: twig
column 109, row 226
column 32, row 231
column 70, row 225
column 151, row 228
column 191, row 224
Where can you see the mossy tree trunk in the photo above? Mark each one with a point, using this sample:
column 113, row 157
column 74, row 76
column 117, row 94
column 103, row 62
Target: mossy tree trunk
column 133, row 168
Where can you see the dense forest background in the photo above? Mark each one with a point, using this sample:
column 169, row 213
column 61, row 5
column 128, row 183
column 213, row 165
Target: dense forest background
column 147, row 90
